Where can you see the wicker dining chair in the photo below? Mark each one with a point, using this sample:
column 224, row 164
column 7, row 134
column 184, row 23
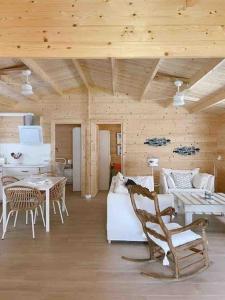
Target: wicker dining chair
column 23, row 198
column 8, row 180
column 56, row 195
column 5, row 181
column 186, row 250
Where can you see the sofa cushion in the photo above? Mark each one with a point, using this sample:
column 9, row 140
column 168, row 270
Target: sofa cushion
column 170, row 171
column 182, row 180
column 177, row 239
column 200, row 180
column 192, row 190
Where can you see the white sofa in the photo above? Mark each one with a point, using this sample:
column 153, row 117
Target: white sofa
column 122, row 223
column 166, row 189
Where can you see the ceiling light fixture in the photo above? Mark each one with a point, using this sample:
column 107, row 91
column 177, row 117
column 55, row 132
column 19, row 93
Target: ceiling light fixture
column 26, row 88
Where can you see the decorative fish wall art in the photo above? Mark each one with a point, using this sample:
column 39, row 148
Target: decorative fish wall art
column 186, row 150
column 157, row 142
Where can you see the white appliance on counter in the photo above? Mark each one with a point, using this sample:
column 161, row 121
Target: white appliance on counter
column 30, row 135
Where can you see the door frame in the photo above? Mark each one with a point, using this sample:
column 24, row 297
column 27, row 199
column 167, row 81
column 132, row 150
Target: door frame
column 83, row 128
column 94, row 152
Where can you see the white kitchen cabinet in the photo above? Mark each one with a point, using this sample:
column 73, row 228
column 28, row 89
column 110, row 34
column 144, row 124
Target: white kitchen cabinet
column 0, row 184
column 21, row 171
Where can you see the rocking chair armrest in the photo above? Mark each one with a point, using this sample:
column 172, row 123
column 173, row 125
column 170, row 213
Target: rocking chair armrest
column 169, row 211
column 199, row 223
column 147, row 217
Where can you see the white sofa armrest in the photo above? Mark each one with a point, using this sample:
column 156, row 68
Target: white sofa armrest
column 164, row 189
column 211, row 184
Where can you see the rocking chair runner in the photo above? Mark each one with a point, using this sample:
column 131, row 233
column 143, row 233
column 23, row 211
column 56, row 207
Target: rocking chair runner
column 180, row 244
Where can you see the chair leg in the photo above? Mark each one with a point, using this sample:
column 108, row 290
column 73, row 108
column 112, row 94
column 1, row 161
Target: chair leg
column 60, row 211
column 26, row 217
column 53, row 204
column 35, row 215
column 32, row 222
column 42, row 215
column 1, row 218
column 7, row 221
column 66, row 210
column 15, row 220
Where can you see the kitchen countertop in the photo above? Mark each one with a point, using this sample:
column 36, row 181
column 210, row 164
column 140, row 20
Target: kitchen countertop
column 24, row 165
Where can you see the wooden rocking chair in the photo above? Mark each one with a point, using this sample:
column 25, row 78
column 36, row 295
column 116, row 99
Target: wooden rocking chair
column 181, row 247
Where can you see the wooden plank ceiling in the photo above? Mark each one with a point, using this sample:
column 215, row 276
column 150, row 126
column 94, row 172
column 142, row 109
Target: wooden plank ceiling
column 112, row 28
column 141, row 79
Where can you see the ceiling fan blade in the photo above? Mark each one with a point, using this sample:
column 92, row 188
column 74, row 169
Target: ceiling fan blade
column 5, row 82
column 14, row 69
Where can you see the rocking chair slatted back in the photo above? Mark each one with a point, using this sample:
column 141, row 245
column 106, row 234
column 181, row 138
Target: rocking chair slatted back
column 178, row 253
column 145, row 216
column 23, row 198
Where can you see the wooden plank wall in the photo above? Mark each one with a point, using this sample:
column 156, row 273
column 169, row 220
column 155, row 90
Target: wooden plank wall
column 148, row 119
column 9, row 132
column 64, row 140
column 118, row 28
column 220, row 165
column 140, row 120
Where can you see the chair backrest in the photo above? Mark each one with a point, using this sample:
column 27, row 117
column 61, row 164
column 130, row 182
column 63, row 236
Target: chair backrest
column 145, row 216
column 8, row 180
column 23, row 197
column 56, row 192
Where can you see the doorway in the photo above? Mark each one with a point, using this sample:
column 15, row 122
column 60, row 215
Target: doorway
column 109, row 141
column 68, row 152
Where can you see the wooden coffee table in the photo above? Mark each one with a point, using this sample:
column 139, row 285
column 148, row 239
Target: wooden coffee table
column 195, row 203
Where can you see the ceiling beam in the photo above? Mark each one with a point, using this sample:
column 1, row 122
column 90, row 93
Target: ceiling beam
column 209, row 101
column 208, row 68
column 162, row 77
column 38, row 70
column 150, row 78
column 114, row 67
column 81, row 73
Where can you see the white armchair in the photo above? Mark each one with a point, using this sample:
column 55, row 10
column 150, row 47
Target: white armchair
column 200, row 181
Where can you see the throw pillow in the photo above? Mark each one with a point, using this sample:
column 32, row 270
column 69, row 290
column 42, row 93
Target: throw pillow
column 182, row 180
column 170, row 171
column 200, row 180
column 120, row 184
column 170, row 182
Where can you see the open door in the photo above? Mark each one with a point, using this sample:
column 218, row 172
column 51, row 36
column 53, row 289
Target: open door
column 77, row 159
column 104, row 160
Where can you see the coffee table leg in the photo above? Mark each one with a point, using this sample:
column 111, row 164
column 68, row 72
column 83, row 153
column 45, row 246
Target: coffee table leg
column 188, row 218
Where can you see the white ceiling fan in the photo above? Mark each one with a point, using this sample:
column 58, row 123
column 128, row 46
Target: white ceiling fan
column 26, row 88
column 180, row 96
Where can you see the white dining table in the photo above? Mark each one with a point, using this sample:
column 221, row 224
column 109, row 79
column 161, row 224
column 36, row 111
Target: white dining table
column 43, row 184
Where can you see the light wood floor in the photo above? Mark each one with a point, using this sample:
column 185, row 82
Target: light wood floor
column 75, row 262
